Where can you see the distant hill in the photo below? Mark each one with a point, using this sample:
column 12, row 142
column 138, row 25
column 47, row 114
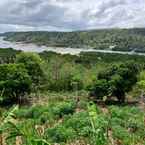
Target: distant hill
column 115, row 39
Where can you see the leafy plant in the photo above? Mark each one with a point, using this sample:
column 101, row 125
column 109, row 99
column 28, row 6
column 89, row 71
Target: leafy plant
column 99, row 126
column 33, row 63
column 27, row 132
column 116, row 81
column 60, row 134
column 64, row 108
column 14, row 81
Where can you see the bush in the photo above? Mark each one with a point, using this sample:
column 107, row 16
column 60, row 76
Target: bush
column 100, row 89
column 121, row 134
column 46, row 117
column 60, row 134
column 73, row 127
column 64, row 108
column 80, row 122
column 33, row 113
column 14, row 81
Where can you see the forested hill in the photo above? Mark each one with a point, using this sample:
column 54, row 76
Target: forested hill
column 116, row 39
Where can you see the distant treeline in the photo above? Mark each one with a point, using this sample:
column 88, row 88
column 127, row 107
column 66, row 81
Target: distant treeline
column 115, row 39
column 8, row 55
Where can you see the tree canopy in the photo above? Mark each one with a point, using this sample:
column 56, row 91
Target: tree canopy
column 33, row 64
column 14, row 81
column 116, row 81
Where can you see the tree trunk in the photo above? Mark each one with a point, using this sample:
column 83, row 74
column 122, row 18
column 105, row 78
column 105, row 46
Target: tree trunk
column 121, row 97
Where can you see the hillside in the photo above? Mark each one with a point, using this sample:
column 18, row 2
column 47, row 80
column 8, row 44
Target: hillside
column 116, row 39
column 46, row 98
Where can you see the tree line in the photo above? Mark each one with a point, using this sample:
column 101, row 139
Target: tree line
column 115, row 39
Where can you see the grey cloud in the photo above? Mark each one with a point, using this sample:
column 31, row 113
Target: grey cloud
column 70, row 14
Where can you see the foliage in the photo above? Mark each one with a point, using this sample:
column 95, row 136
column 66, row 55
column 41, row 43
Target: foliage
column 62, row 75
column 60, row 134
column 64, row 109
column 116, row 81
column 14, row 81
column 66, row 116
column 127, row 124
column 28, row 133
column 8, row 55
column 72, row 128
column 46, row 113
column 116, row 39
column 33, row 64
column 99, row 126
column 33, row 112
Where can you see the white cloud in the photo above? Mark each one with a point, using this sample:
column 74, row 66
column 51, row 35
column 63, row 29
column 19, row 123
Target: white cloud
column 70, row 14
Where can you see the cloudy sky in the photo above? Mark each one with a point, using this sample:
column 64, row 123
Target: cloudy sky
column 68, row 15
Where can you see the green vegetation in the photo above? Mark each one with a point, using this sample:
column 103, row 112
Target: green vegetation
column 115, row 39
column 8, row 55
column 90, row 125
column 14, row 81
column 116, row 81
column 45, row 99
column 33, row 64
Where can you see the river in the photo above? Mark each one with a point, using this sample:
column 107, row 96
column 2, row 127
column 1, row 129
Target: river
column 29, row 47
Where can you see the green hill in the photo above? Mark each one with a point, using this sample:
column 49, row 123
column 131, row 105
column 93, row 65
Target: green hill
column 115, row 39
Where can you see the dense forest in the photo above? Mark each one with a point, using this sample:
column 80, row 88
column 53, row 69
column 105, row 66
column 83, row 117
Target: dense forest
column 90, row 99
column 112, row 39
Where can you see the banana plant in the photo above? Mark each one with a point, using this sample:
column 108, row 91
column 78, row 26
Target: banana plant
column 5, row 120
column 28, row 134
column 98, row 124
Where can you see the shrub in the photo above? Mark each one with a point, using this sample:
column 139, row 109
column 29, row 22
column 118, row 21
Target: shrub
column 121, row 134
column 46, row 117
column 73, row 127
column 127, row 124
column 33, row 112
column 81, row 126
column 64, row 108
column 14, row 81
column 60, row 134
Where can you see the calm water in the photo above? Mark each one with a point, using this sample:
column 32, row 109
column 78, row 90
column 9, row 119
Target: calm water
column 35, row 48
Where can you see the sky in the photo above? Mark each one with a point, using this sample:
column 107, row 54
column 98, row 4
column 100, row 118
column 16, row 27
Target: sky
column 70, row 15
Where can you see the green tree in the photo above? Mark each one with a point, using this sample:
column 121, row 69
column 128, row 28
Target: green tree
column 140, row 86
column 14, row 81
column 100, row 89
column 62, row 75
column 33, row 64
column 116, row 81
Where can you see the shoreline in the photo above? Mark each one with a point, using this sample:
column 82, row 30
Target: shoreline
column 30, row 47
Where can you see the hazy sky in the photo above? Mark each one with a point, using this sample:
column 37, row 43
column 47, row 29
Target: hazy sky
column 65, row 15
